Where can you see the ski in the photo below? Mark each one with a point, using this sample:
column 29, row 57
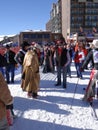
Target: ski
column 93, row 111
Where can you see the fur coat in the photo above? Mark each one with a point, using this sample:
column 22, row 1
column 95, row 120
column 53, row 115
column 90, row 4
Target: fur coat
column 30, row 76
column 5, row 97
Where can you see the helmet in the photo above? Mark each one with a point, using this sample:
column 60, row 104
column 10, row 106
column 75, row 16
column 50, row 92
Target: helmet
column 95, row 43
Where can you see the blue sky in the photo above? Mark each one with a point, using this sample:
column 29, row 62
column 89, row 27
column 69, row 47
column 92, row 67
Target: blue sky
column 20, row 15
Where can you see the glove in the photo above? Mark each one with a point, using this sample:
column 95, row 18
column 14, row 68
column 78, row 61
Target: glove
column 9, row 106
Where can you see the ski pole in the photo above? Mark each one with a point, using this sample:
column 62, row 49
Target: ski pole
column 74, row 93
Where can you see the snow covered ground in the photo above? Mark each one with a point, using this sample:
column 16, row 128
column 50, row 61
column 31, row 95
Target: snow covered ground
column 55, row 108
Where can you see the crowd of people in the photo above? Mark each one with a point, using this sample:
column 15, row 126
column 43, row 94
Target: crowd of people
column 54, row 58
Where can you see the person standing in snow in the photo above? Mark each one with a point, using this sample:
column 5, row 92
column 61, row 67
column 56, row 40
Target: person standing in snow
column 92, row 55
column 30, row 75
column 70, row 49
column 62, row 61
column 5, row 99
column 11, row 63
column 78, row 60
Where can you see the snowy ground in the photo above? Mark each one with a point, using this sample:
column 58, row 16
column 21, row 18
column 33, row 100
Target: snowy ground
column 55, row 108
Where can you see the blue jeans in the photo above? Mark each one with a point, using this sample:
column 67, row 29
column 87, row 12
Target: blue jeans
column 78, row 66
column 69, row 69
column 10, row 69
column 2, row 70
column 61, row 70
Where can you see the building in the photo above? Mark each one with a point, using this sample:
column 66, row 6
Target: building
column 74, row 16
column 41, row 37
column 54, row 24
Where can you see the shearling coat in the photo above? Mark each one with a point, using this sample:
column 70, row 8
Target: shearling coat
column 31, row 79
column 5, row 97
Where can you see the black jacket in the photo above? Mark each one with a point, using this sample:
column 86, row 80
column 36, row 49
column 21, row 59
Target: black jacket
column 3, row 61
column 10, row 55
column 64, row 57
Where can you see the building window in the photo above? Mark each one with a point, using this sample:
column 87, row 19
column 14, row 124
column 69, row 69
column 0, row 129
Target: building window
column 25, row 35
column 46, row 35
column 33, row 35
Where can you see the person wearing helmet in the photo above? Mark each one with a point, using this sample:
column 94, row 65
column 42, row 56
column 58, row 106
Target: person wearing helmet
column 92, row 55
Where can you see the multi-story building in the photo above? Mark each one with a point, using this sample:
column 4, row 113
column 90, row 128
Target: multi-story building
column 71, row 16
column 84, row 13
column 55, row 18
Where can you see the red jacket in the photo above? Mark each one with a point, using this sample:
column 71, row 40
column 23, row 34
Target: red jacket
column 79, row 57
